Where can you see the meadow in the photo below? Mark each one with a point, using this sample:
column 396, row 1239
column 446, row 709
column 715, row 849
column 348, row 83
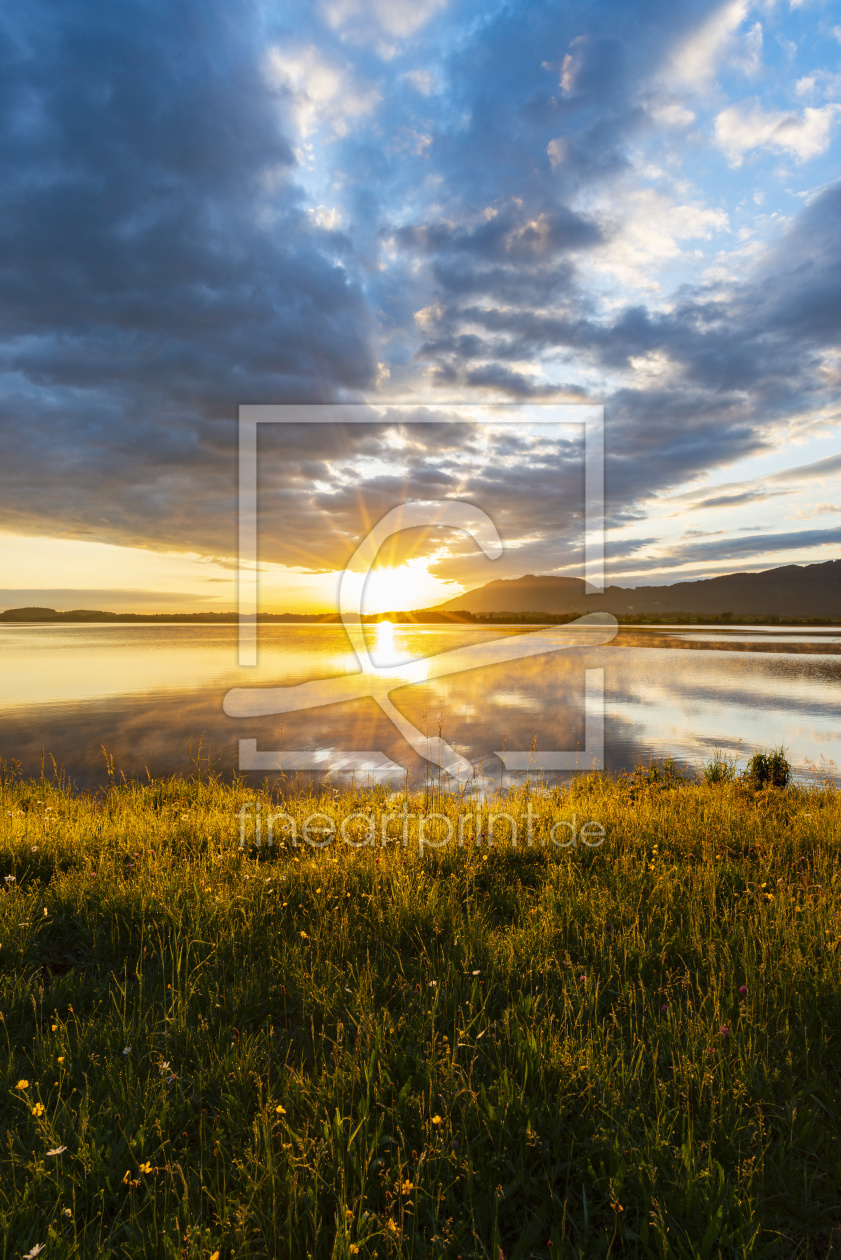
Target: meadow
column 626, row 1043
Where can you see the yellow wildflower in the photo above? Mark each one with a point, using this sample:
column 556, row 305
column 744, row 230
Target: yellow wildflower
column 61, row 1058
column 303, row 936
column 23, row 1085
column 38, row 1109
column 145, row 1168
column 407, row 1187
column 281, row 1111
column 392, row 1228
column 437, row 1120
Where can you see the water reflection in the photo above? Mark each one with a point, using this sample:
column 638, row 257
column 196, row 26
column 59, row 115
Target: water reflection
column 146, row 691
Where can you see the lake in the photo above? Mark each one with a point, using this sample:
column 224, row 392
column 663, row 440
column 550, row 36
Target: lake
column 153, row 696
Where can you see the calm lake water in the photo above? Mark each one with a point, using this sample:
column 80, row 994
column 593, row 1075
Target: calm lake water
column 149, row 693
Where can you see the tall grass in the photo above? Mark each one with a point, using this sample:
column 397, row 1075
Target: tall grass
column 477, row 1051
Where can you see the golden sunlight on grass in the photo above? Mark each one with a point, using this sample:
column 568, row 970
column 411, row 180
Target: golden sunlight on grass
column 377, row 1050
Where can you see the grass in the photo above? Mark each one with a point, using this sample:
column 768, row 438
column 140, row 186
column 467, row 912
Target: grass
column 480, row 1051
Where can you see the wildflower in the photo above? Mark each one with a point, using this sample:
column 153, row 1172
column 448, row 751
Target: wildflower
column 36, row 1251
column 582, row 979
column 67, row 1212
column 437, row 1120
column 725, row 1031
column 38, row 1109
column 475, row 973
column 23, row 1085
column 353, row 1249
column 215, row 1256
column 484, row 857
column 61, row 1058
column 281, row 1111
column 126, row 1050
column 57, row 1150
column 392, row 1228
column 10, row 879
column 303, row 936
column 145, row 1168
column 664, row 1007
column 407, row 1187
column 743, row 990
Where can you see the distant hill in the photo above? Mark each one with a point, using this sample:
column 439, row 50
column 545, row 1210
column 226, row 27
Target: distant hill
column 811, row 590
column 793, row 592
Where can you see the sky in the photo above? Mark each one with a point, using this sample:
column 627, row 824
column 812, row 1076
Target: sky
column 427, row 202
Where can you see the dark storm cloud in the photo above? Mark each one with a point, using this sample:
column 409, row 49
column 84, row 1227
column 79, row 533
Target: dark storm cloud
column 158, row 268
column 513, row 235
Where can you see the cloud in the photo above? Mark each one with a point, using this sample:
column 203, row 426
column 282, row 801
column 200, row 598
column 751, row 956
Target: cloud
column 647, row 232
column 673, row 114
column 805, row 472
column 746, row 126
column 733, row 494
column 757, row 545
column 696, row 59
column 510, row 234
column 373, row 19
column 160, row 269
column 324, row 93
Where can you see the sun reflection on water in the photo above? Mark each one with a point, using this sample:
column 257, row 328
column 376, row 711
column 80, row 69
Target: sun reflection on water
column 384, row 650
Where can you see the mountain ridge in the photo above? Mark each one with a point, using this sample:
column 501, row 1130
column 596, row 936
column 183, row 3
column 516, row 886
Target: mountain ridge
column 812, row 590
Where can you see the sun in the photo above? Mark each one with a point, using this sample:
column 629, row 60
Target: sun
column 403, row 588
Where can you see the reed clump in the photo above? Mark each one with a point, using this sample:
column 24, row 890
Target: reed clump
column 617, row 1031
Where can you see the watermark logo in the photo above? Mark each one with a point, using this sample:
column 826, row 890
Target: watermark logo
column 377, row 682
column 416, row 828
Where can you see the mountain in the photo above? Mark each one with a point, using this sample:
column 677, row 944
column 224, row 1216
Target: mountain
column 811, row 590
